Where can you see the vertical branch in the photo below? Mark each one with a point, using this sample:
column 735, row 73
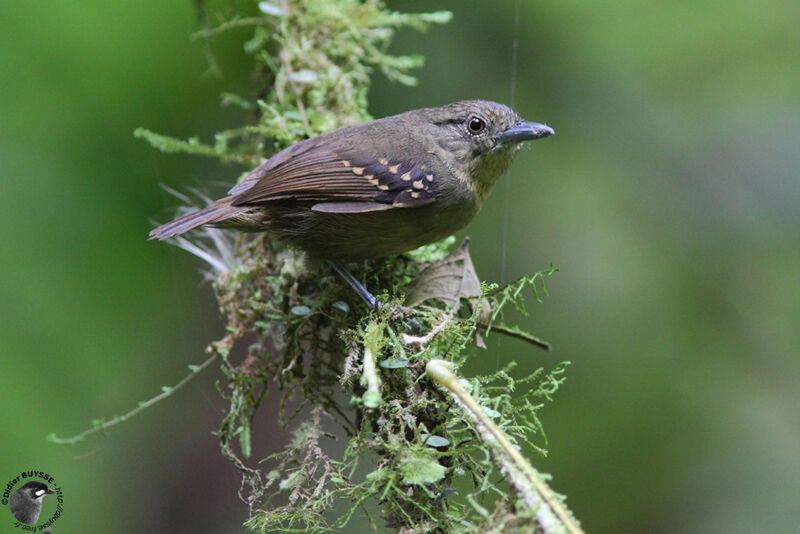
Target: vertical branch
column 313, row 60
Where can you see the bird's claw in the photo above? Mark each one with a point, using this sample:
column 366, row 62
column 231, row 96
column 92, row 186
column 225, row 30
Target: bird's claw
column 403, row 313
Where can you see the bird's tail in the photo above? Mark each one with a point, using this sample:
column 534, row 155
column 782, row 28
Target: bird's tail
column 217, row 212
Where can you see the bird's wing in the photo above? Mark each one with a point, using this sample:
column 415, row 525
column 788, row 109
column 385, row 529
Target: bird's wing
column 338, row 180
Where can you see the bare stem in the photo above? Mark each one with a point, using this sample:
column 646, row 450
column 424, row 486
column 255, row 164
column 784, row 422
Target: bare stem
column 551, row 514
column 167, row 391
column 518, row 334
column 424, row 340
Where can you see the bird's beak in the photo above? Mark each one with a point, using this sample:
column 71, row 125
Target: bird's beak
column 48, row 491
column 524, row 131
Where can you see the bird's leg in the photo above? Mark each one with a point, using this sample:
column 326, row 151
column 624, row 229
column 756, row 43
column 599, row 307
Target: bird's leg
column 368, row 298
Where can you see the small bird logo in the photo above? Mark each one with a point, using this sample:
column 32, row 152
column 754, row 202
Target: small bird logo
column 26, row 502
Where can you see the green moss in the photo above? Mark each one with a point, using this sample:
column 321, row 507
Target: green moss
column 311, row 339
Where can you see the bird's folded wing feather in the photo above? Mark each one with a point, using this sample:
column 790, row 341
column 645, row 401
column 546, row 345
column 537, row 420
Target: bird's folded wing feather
column 340, row 180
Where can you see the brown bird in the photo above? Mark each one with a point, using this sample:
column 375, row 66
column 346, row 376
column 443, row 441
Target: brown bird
column 377, row 188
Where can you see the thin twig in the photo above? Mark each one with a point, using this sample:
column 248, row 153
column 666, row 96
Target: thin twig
column 517, row 334
column 140, row 408
column 424, row 340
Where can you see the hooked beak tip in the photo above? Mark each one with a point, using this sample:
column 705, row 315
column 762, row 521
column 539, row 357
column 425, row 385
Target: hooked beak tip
column 525, row 131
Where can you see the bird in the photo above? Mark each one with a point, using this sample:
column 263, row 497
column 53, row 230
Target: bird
column 377, row 188
column 26, row 502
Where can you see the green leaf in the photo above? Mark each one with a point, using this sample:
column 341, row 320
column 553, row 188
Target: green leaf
column 304, row 76
column 294, row 115
column 372, row 399
column 244, row 438
column 268, row 8
column 290, row 481
column 394, row 363
column 301, row 310
column 437, row 17
column 378, row 474
column 436, row 441
column 421, row 468
column 494, row 414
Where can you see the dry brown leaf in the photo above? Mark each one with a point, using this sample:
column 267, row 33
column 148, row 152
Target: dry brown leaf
column 448, row 280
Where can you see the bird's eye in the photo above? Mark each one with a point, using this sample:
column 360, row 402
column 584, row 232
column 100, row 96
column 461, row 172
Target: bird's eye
column 476, row 125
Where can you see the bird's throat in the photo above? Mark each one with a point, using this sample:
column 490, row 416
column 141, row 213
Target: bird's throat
column 486, row 171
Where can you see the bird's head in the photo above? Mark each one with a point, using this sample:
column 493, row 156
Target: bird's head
column 36, row 490
column 480, row 138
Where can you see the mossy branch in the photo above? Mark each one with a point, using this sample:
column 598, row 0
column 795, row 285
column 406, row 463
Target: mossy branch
column 409, row 446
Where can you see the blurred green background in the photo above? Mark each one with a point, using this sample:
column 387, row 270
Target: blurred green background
column 668, row 199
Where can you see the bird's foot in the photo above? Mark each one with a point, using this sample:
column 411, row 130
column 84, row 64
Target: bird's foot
column 405, row 314
column 396, row 311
